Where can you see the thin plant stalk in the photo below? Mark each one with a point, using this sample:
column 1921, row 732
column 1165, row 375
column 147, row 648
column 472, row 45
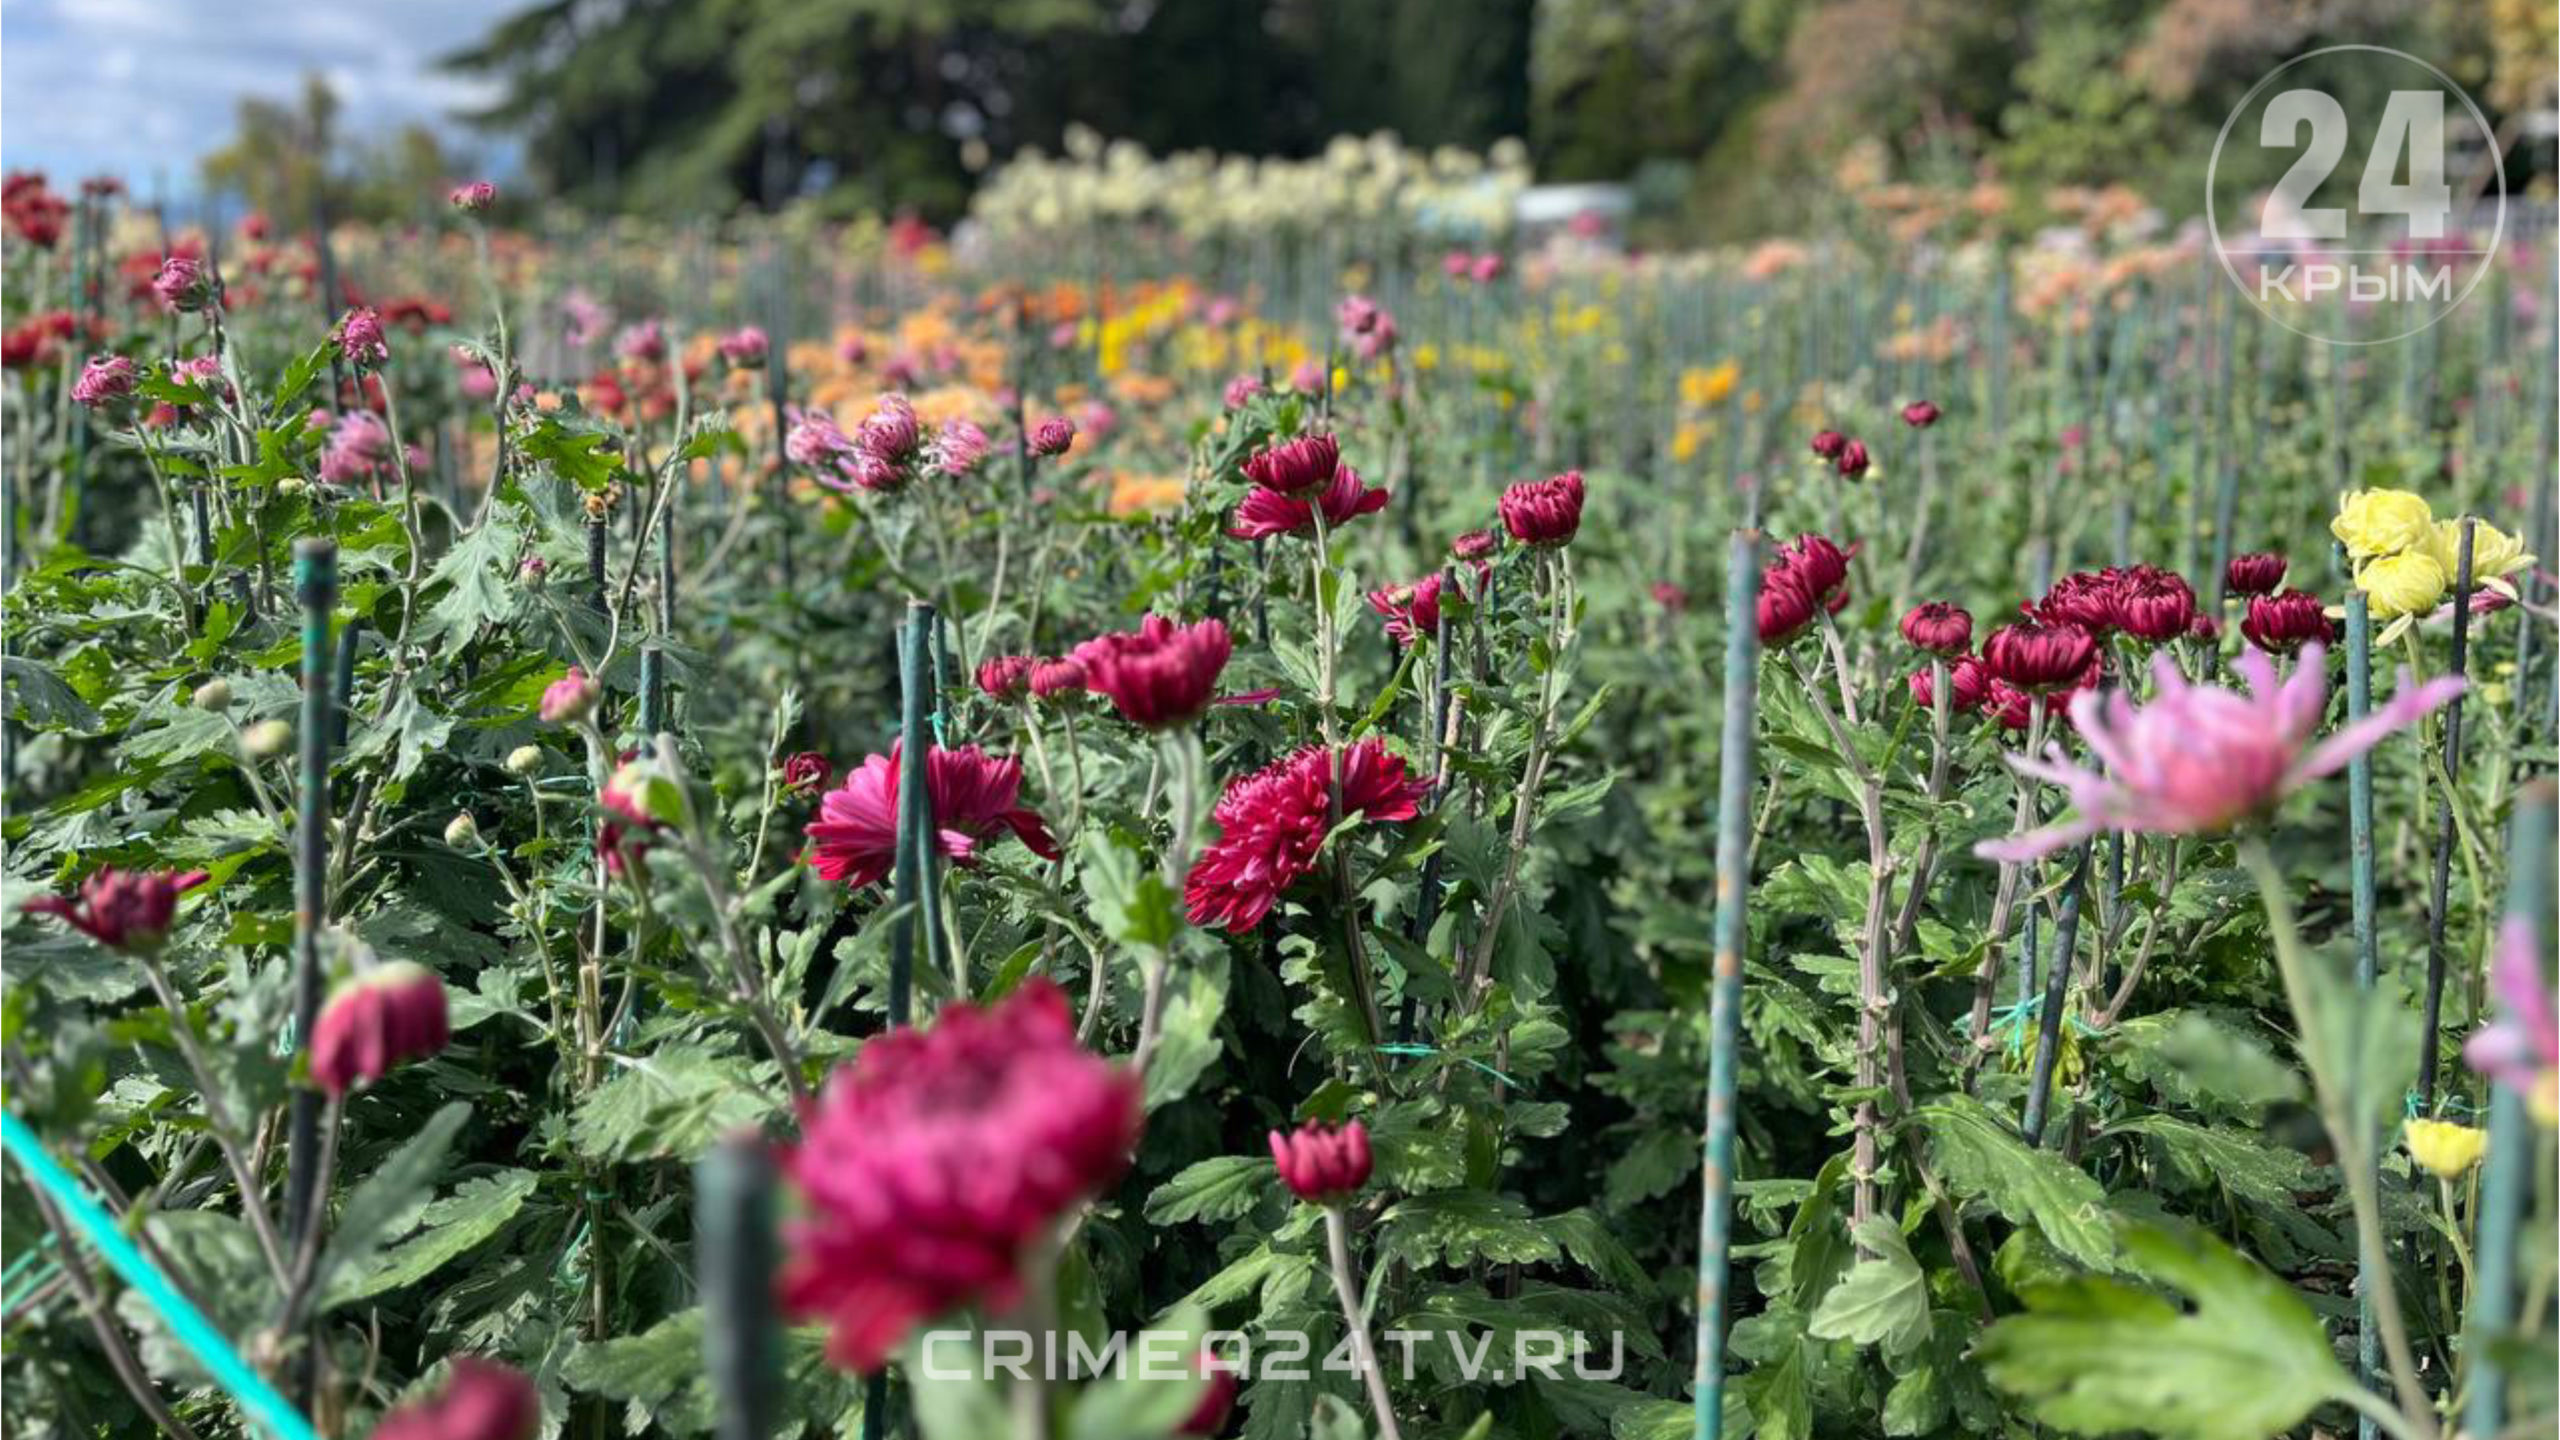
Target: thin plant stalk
column 1346, row 1289
column 1734, row 782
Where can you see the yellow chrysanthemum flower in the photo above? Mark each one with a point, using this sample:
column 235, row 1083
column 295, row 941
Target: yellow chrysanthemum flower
column 2407, row 583
column 2495, row 555
column 2443, row 1148
column 2372, row 523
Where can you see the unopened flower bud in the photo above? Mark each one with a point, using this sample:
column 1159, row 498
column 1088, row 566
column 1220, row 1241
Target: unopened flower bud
column 266, row 738
column 524, row 759
column 214, row 695
column 461, row 831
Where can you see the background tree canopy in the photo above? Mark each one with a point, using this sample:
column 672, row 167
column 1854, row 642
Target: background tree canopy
column 1717, row 109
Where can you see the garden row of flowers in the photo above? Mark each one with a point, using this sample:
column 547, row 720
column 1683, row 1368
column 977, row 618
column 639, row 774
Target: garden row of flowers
column 586, row 866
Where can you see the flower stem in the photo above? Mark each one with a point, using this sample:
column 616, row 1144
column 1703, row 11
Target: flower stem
column 2347, row 1131
column 1346, row 1288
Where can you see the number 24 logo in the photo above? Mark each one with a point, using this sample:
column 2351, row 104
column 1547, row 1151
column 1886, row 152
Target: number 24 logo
column 2413, row 122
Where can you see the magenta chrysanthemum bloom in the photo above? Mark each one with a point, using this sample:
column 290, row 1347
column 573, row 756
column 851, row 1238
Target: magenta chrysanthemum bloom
column 1240, row 390
column 104, row 378
column 1051, row 679
column 473, row 198
column 891, row 431
column 1006, row 677
column 1294, row 467
column 1854, row 460
column 807, row 771
column 1160, row 675
column 359, row 449
column 745, row 348
column 480, row 1400
column 1544, row 512
column 2257, row 574
column 1412, row 612
column 182, row 284
column 645, row 342
column 376, row 1022
column 930, row 1168
column 1475, row 545
column 956, row 450
column 815, row 440
column 1938, row 627
column 2036, row 658
column 2198, row 758
column 361, row 341
column 855, row 837
column 1272, row 826
column 2286, row 621
column 1345, row 498
column 129, row 910
column 1920, row 414
column 1827, row 444
column 2521, row 1048
column 571, row 697
column 1053, row 436
column 1322, row 1164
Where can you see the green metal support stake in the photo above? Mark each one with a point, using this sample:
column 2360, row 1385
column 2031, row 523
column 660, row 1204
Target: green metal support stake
column 734, row 1257
column 653, row 689
column 2057, row 986
column 2368, row 946
column 1724, row 1013
column 2507, row 1175
column 315, row 585
column 914, row 874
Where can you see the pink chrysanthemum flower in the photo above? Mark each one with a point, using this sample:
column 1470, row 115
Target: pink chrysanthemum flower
column 931, row 1167
column 1272, row 826
column 1412, row 612
column 2199, row 758
column 855, row 837
column 2521, row 1048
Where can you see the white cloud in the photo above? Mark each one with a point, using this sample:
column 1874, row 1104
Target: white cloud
column 145, row 88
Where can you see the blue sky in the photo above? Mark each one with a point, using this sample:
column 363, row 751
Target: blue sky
column 146, row 87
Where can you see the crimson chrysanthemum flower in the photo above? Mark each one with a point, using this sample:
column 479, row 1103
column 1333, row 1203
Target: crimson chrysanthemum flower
column 1939, row 627
column 2090, row 600
column 1827, row 444
column 1053, row 679
column 2155, row 605
column 2286, row 621
column 1272, row 825
column 1786, row 608
column 1920, row 414
column 1412, row 611
column 2257, row 574
column 1345, row 498
column 480, row 1400
column 2036, row 658
column 1294, row 467
column 1853, row 461
column 1320, row 1163
column 1053, row 436
column 379, row 1020
column 1161, row 674
column 933, row 1164
column 855, row 837
column 128, row 910
column 1968, row 685
column 1817, row 564
column 1544, row 512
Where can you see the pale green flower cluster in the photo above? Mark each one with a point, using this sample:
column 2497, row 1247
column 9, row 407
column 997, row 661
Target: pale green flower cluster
column 1444, row 192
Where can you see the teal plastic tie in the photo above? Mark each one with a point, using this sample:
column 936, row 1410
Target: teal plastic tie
column 2448, row 1106
column 1409, row 1049
column 255, row 1396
